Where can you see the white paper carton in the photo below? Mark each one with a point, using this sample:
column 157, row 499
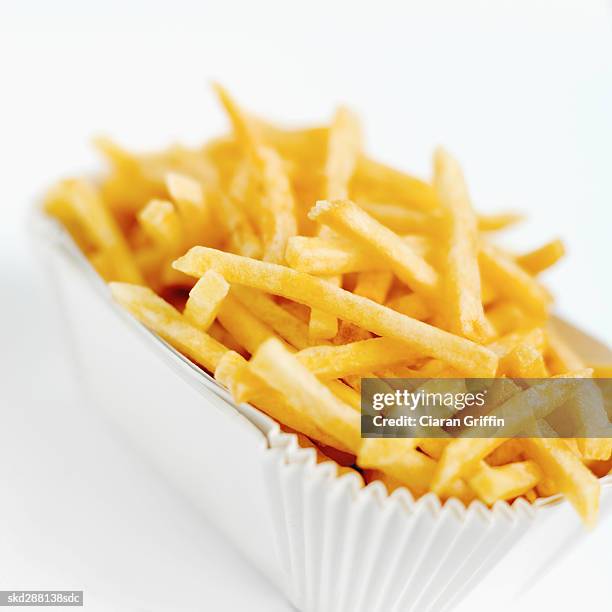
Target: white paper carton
column 326, row 541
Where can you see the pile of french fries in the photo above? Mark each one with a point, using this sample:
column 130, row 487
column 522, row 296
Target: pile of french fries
column 289, row 264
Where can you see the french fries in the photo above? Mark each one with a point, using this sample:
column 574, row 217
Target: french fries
column 349, row 220
column 287, row 375
column 167, row 322
column 79, row 200
column 463, row 354
column 568, row 473
column 295, row 265
column 461, row 281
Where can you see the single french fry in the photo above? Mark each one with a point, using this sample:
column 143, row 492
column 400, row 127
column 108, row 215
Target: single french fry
column 85, row 203
column 460, row 353
column 376, row 182
column 546, row 488
column 463, row 455
column 283, row 372
column 193, row 209
column 506, row 316
column 348, row 219
column 459, row 458
column 233, row 371
column 205, row 299
column 163, row 319
column 246, row 129
column 374, row 285
column 561, row 357
column 323, row 256
column 398, row 458
column 601, row 370
column 506, row 344
column 275, row 206
column 348, row 395
column 511, row 281
column 495, row 222
column 504, row 482
column 434, row 368
column 328, row 256
column 324, row 325
column 355, row 358
column 400, row 219
column 160, row 221
column 568, row 473
column 488, row 293
column 239, row 321
column 412, row 305
column 245, row 386
column 286, row 325
column 595, row 449
column 342, row 153
column 242, row 238
column 221, row 335
column 461, row 282
column 135, row 179
column 524, row 361
column 508, row 452
column 544, row 257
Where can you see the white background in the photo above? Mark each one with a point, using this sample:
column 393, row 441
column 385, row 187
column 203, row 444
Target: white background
column 521, row 91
